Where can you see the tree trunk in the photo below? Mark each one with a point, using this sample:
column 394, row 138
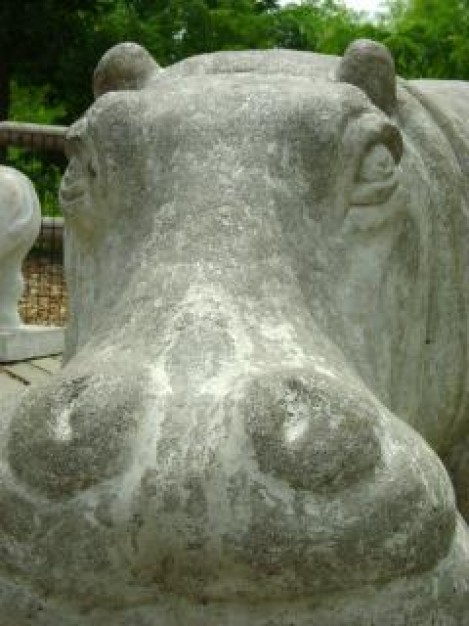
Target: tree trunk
column 4, row 97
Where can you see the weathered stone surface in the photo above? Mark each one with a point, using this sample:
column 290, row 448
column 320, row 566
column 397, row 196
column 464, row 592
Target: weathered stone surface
column 28, row 342
column 20, row 222
column 266, row 358
column 369, row 66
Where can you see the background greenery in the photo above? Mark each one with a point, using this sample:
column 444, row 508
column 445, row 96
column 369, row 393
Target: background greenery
column 49, row 48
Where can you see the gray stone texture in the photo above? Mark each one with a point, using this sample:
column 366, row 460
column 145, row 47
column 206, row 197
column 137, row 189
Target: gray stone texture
column 20, row 223
column 262, row 419
column 29, row 342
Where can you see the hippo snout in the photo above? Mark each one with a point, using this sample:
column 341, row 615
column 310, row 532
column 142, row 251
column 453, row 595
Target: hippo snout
column 310, row 433
column 284, row 473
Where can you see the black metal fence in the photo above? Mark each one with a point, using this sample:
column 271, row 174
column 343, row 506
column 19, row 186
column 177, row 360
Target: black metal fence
column 44, row 299
column 37, row 150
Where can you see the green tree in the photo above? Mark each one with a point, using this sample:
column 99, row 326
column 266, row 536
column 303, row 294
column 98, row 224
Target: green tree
column 37, row 36
column 175, row 29
column 47, row 50
column 323, row 26
column 430, row 38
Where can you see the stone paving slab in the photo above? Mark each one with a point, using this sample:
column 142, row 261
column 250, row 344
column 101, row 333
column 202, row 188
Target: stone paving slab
column 49, row 364
column 30, row 342
column 14, row 377
column 9, row 385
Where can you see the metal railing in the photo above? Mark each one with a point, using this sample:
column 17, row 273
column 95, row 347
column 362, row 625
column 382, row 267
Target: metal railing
column 44, row 301
column 33, row 136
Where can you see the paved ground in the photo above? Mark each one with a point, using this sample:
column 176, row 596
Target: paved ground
column 15, row 376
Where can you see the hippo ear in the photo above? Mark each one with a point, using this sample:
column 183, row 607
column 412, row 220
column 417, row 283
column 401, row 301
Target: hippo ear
column 125, row 66
column 369, row 65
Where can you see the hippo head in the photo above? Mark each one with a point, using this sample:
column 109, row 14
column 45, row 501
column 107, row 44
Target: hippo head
column 254, row 315
column 307, row 171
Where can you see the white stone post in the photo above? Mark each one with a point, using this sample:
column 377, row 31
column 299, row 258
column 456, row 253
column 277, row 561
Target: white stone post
column 20, row 223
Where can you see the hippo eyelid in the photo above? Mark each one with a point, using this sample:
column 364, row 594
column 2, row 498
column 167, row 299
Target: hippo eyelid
column 373, row 193
column 392, row 139
column 73, row 146
column 372, row 148
column 368, row 130
column 80, row 149
column 377, row 165
column 377, row 177
column 75, row 139
column 387, row 135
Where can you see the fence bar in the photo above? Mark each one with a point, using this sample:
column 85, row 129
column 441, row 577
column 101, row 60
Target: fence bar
column 34, row 136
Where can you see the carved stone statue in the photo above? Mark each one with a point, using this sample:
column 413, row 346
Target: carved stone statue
column 263, row 415
column 20, row 223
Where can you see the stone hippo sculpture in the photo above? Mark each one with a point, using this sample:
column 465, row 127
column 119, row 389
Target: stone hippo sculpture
column 20, row 223
column 263, row 414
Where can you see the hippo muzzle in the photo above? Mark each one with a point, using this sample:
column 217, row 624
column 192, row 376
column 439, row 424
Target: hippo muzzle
column 248, row 262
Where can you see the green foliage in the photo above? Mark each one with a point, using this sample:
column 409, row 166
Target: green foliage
column 44, row 170
column 39, row 38
column 430, row 38
column 321, row 25
column 54, row 46
column 49, row 48
column 175, row 29
column 30, row 103
column 33, row 103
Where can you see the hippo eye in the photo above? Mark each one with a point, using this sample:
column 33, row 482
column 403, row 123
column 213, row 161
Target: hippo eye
column 92, row 170
column 377, row 165
column 377, row 177
column 75, row 139
column 73, row 146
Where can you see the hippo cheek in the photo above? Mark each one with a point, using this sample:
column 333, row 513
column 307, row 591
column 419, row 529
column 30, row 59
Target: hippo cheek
column 311, row 434
column 70, row 435
column 340, row 493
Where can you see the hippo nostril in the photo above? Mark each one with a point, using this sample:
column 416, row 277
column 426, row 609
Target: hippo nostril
column 311, row 431
column 66, row 437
